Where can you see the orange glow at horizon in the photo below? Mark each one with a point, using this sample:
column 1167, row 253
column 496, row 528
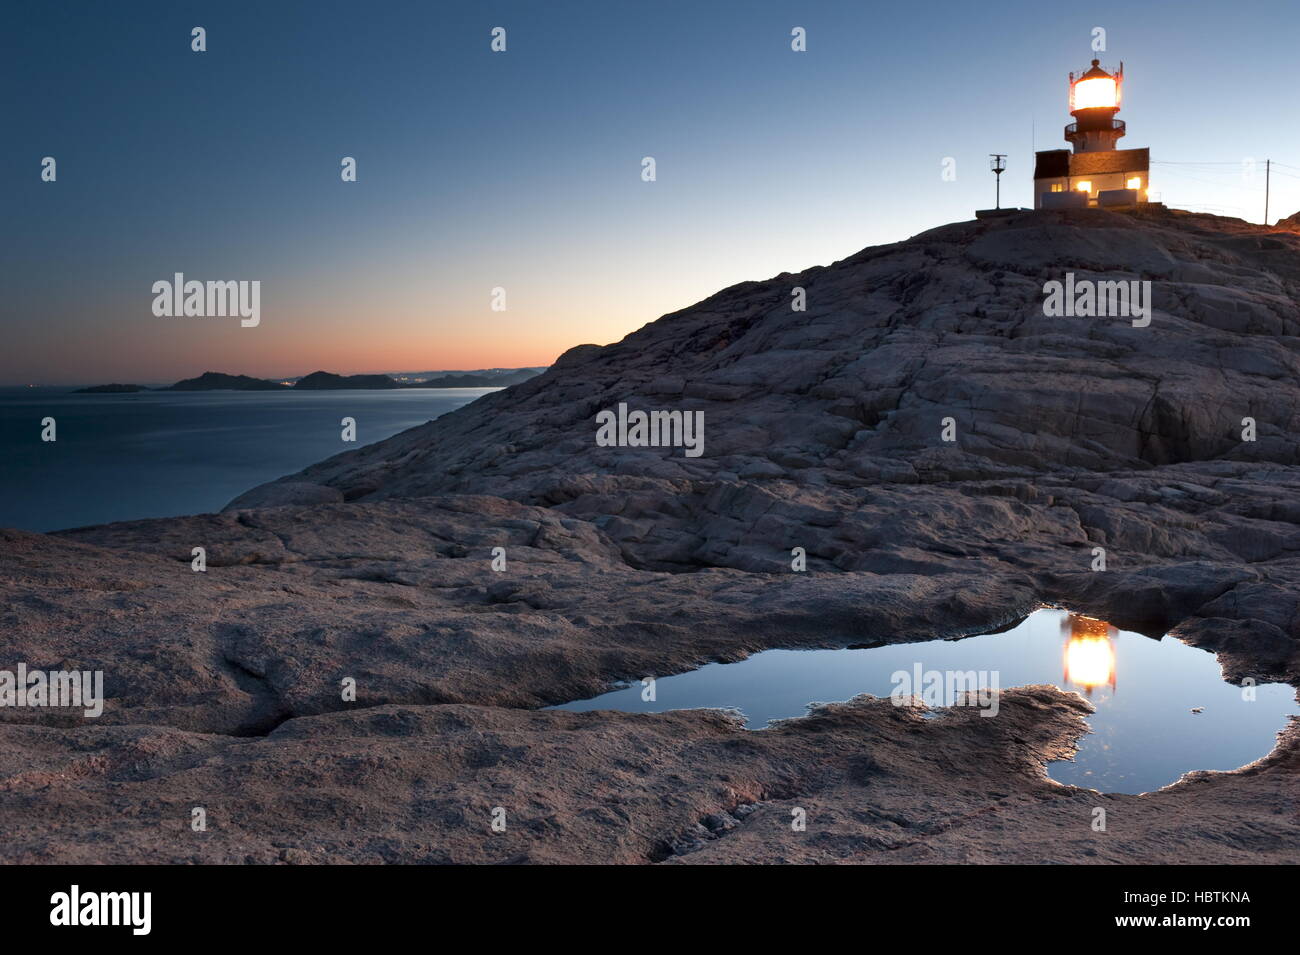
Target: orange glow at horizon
column 281, row 350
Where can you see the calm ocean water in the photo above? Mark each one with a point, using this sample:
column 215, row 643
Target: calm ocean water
column 162, row 454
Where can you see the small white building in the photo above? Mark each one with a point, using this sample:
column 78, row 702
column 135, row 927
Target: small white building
column 1094, row 173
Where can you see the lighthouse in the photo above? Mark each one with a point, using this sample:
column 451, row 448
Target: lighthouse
column 1093, row 173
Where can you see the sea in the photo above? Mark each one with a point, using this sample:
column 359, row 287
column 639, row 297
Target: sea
column 166, row 454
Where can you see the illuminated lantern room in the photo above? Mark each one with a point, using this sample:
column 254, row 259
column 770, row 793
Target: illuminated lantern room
column 1094, row 101
column 1094, row 173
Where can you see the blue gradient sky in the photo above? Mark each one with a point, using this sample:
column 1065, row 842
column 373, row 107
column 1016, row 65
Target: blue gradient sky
column 522, row 169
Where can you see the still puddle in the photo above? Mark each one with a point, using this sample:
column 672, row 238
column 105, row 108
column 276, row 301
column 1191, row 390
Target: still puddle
column 1162, row 706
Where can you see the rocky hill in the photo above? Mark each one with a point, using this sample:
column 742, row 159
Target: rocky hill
column 947, row 455
column 950, row 322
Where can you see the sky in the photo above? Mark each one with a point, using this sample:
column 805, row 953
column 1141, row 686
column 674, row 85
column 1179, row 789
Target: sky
column 523, row 169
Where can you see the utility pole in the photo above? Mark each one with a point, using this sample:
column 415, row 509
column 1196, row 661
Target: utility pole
column 1267, row 169
column 997, row 163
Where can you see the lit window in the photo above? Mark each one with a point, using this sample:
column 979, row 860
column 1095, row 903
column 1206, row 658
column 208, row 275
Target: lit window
column 1134, row 183
column 1085, row 186
column 1057, row 187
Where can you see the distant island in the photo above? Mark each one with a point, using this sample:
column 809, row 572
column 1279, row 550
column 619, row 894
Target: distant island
column 217, row 381
column 497, row 378
column 328, row 381
column 111, row 389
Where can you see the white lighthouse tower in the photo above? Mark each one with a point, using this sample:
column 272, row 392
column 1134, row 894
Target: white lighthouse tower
column 1095, row 173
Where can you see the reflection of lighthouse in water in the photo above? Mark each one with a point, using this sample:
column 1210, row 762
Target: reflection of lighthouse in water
column 1089, row 652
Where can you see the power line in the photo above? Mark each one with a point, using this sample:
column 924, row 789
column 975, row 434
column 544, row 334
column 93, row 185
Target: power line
column 1238, row 162
column 1181, row 171
column 1200, row 164
column 1208, row 182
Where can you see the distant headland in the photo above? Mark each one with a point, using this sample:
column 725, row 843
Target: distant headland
column 328, row 381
